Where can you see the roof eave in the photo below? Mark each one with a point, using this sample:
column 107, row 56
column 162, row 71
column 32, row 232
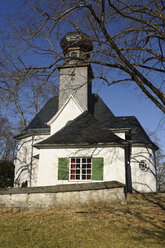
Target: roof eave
column 73, row 65
column 119, row 129
column 32, row 132
column 111, row 144
column 146, row 145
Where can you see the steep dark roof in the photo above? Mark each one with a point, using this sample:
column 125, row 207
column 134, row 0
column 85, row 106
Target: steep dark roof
column 38, row 124
column 84, row 130
column 107, row 119
column 136, row 134
column 100, row 110
column 45, row 114
column 99, row 117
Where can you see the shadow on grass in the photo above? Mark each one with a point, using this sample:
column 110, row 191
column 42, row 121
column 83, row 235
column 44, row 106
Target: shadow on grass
column 152, row 219
column 143, row 214
column 153, row 198
column 155, row 237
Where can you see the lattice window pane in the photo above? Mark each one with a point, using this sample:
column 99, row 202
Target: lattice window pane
column 80, row 169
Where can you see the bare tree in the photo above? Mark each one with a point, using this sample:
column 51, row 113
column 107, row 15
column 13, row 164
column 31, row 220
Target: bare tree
column 22, row 93
column 160, row 162
column 27, row 99
column 7, row 143
column 128, row 37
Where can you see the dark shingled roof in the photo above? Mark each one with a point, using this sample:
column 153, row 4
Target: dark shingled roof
column 100, row 110
column 136, row 133
column 84, row 130
column 45, row 114
column 99, row 117
column 107, row 119
column 38, row 123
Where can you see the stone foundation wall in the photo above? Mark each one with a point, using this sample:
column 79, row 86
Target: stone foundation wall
column 61, row 195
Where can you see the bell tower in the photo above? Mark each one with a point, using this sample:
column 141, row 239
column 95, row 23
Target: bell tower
column 76, row 73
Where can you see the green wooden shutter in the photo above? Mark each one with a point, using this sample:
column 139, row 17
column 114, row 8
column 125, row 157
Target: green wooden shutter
column 63, row 168
column 97, row 168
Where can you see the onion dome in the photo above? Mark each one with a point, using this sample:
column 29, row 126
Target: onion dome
column 76, row 40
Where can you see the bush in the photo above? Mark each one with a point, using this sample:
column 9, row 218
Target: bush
column 6, row 174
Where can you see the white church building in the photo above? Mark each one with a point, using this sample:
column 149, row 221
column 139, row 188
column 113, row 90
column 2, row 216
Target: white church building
column 76, row 138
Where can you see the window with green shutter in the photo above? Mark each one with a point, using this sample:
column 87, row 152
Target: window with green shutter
column 63, row 168
column 80, row 169
column 97, row 168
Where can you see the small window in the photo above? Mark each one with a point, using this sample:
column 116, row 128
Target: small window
column 25, row 152
column 143, row 165
column 74, row 54
column 80, row 169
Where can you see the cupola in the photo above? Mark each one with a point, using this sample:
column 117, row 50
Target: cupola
column 76, row 45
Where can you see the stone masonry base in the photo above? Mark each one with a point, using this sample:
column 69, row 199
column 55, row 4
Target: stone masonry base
column 51, row 197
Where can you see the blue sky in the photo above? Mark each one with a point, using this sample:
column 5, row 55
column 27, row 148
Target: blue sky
column 122, row 100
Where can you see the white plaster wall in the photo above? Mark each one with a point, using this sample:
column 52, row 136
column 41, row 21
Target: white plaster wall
column 23, row 161
column 121, row 135
column 114, row 163
column 69, row 112
column 143, row 181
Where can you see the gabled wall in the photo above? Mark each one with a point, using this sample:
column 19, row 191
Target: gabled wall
column 68, row 112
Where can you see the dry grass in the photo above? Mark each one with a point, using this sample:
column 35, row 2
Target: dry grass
column 139, row 223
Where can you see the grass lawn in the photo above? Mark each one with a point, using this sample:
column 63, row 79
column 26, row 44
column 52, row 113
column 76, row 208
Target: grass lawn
column 138, row 223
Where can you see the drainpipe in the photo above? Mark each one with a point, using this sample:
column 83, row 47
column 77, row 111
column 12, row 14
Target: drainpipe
column 31, row 162
column 128, row 172
column 126, row 164
column 156, row 170
column 14, row 150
